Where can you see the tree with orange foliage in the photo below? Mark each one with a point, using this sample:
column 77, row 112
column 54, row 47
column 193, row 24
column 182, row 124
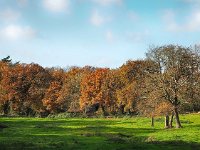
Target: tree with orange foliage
column 92, row 89
column 71, row 90
column 133, row 75
column 39, row 79
column 51, row 98
column 110, row 87
column 4, row 87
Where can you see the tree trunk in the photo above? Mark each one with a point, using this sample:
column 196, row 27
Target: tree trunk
column 171, row 120
column 122, row 108
column 178, row 123
column 152, row 121
column 105, row 113
column 167, row 121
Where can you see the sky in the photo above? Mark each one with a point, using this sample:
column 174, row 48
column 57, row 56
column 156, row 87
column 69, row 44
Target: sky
column 100, row 33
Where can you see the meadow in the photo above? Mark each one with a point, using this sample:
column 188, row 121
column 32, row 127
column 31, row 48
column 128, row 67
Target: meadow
column 98, row 133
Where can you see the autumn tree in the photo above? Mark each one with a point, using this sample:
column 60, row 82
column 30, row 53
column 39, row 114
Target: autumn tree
column 71, row 90
column 92, row 90
column 133, row 75
column 112, row 83
column 192, row 90
column 177, row 65
column 39, row 79
column 51, row 98
column 4, row 87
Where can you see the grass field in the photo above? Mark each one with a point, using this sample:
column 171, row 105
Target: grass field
column 97, row 134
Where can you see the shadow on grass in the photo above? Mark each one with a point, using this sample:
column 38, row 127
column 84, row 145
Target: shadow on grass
column 81, row 134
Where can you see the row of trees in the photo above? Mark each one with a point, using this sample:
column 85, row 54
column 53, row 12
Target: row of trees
column 165, row 83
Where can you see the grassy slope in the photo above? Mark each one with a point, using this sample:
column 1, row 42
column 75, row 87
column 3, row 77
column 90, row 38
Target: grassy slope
column 130, row 133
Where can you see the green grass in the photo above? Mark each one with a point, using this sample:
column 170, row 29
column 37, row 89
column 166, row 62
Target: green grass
column 96, row 134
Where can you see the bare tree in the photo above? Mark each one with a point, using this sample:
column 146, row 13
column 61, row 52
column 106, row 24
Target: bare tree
column 177, row 68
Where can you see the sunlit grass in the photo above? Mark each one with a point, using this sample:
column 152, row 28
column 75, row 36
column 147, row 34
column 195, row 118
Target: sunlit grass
column 93, row 133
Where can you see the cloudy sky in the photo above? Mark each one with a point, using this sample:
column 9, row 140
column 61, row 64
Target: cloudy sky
column 103, row 33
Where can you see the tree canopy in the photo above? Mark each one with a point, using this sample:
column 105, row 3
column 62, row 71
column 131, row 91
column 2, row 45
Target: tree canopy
column 166, row 82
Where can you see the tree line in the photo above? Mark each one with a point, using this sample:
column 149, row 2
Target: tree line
column 166, row 83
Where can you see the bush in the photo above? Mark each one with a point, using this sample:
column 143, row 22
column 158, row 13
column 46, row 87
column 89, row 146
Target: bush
column 65, row 115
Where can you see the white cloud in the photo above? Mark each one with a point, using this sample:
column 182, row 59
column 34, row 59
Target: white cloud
column 133, row 16
column 97, row 19
column 192, row 1
column 109, row 36
column 190, row 23
column 15, row 32
column 194, row 21
column 169, row 19
column 108, row 2
column 22, row 2
column 9, row 15
column 138, row 36
column 56, row 5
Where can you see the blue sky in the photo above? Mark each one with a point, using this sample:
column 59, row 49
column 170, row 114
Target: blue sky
column 102, row 33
